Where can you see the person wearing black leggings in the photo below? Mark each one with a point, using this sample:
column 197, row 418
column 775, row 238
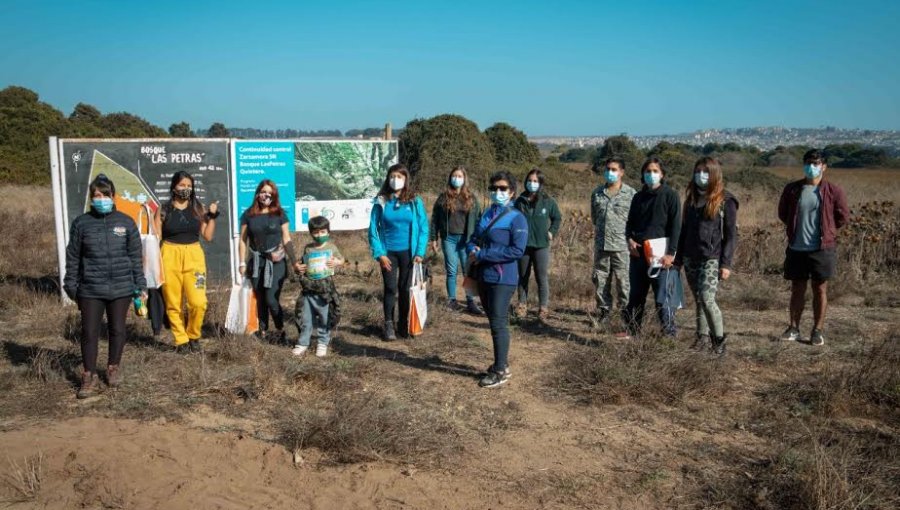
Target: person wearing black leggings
column 266, row 235
column 398, row 238
column 104, row 272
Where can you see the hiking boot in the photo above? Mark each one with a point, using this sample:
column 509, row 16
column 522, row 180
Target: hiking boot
column 521, row 311
column 791, row 334
column 113, row 376
column 194, row 346
column 453, row 305
column 702, row 343
column 718, row 345
column 473, row 307
column 816, row 338
column 299, row 350
column 88, row 385
column 184, row 348
column 493, row 379
column 543, row 314
column 389, row 334
column 321, row 350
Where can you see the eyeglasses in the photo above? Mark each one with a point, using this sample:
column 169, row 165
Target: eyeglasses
column 498, row 188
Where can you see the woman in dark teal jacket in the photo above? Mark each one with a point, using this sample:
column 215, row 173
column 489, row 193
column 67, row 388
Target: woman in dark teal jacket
column 453, row 218
column 544, row 218
column 398, row 238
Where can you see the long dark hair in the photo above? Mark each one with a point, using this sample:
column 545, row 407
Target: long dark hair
column 463, row 195
column 274, row 208
column 662, row 168
column 406, row 194
column 194, row 203
column 532, row 197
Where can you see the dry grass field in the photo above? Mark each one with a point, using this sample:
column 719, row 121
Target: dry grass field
column 585, row 421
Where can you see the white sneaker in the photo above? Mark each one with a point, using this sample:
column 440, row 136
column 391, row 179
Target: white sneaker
column 299, row 350
column 321, row 350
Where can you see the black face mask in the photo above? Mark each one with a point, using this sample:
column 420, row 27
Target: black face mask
column 183, row 194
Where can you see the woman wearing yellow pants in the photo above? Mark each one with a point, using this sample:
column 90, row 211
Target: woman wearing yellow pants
column 182, row 221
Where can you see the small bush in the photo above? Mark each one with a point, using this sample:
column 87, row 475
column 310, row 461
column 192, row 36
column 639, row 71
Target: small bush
column 647, row 371
column 366, row 426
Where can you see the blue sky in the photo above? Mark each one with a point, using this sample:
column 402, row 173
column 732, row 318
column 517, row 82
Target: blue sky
column 565, row 67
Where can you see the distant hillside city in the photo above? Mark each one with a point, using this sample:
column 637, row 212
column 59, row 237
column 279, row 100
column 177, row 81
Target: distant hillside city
column 765, row 138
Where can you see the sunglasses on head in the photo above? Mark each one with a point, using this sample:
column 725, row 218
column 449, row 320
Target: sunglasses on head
column 498, row 188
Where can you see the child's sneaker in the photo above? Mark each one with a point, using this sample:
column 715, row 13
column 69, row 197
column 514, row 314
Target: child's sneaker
column 321, row 350
column 299, row 350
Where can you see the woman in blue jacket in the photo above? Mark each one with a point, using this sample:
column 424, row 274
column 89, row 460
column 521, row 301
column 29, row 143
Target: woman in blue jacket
column 495, row 250
column 398, row 238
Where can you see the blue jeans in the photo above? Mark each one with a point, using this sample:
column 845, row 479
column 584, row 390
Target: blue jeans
column 455, row 262
column 633, row 315
column 495, row 299
column 314, row 314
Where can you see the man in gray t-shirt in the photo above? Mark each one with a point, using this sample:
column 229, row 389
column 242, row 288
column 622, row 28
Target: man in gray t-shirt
column 809, row 220
column 812, row 210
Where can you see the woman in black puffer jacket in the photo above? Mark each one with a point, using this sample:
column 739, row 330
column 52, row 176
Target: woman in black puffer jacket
column 104, row 272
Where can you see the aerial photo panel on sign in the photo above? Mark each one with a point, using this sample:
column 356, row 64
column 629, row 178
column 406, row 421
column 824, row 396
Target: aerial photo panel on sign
column 334, row 179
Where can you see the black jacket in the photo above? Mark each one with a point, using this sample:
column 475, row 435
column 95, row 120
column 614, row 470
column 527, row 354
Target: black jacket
column 655, row 213
column 706, row 238
column 104, row 257
column 440, row 219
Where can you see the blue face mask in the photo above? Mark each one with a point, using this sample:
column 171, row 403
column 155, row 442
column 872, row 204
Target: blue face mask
column 500, row 197
column 812, row 171
column 652, row 179
column 611, row 177
column 457, row 182
column 532, row 186
column 701, row 179
column 102, row 205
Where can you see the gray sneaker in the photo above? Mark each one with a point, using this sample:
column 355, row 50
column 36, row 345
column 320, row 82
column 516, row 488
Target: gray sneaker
column 816, row 338
column 791, row 334
column 493, row 379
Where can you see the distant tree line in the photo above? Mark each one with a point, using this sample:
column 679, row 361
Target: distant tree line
column 429, row 147
column 680, row 156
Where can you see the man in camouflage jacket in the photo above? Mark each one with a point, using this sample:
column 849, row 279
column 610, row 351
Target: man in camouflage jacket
column 610, row 203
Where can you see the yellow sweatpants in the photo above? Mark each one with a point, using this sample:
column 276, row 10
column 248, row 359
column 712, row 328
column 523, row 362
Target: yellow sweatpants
column 184, row 266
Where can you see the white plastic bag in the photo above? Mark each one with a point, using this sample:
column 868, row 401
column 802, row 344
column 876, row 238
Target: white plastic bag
column 241, row 319
column 418, row 302
column 152, row 257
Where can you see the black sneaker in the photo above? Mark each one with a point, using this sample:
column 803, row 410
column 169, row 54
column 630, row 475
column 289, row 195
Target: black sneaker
column 718, row 345
column 184, row 348
column 473, row 307
column 791, row 334
column 453, row 305
column 816, row 338
column 194, row 346
column 493, row 379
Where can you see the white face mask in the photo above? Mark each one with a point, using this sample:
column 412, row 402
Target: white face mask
column 457, row 182
column 532, row 186
column 397, row 183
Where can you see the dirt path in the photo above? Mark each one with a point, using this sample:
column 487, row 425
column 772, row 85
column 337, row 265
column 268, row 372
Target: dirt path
column 544, row 452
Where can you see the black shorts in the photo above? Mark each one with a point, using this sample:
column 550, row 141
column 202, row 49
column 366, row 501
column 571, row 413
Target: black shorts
column 805, row 265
